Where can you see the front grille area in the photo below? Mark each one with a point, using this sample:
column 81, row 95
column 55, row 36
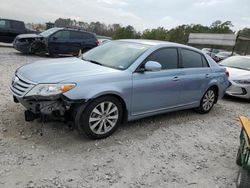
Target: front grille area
column 20, row 87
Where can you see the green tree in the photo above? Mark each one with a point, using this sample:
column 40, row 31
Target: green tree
column 221, row 27
column 125, row 33
column 158, row 34
column 245, row 32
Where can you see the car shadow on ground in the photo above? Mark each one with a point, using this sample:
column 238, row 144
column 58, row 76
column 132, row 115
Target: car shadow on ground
column 57, row 135
column 62, row 137
column 236, row 99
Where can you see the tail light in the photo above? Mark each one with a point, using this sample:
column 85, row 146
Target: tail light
column 226, row 73
column 97, row 42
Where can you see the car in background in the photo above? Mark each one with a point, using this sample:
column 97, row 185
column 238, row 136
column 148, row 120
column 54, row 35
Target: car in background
column 56, row 41
column 239, row 76
column 211, row 51
column 223, row 55
column 119, row 81
column 9, row 29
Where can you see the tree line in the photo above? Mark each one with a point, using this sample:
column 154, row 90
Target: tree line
column 178, row 34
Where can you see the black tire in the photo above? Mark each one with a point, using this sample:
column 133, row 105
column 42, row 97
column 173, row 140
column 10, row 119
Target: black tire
column 243, row 179
column 239, row 158
column 84, row 113
column 201, row 109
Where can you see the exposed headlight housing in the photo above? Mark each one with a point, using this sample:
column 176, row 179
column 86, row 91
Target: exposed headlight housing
column 247, row 81
column 49, row 89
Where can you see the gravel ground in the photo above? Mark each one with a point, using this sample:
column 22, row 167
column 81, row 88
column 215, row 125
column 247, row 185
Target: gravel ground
column 180, row 149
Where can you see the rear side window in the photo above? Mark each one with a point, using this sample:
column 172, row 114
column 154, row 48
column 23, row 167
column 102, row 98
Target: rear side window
column 192, row 59
column 88, row 35
column 204, row 61
column 76, row 35
column 17, row 25
column 80, row 35
column 167, row 57
column 62, row 35
column 4, row 24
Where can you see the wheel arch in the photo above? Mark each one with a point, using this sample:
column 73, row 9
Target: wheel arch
column 121, row 100
column 124, row 106
column 216, row 88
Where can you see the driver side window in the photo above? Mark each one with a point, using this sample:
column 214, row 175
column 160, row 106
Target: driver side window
column 167, row 57
column 62, row 35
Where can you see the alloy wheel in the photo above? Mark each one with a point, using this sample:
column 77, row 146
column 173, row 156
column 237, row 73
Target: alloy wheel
column 208, row 100
column 103, row 117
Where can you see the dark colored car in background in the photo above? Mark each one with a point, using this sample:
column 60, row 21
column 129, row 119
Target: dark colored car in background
column 9, row 29
column 56, row 41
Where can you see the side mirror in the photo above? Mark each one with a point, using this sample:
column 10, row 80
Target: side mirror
column 54, row 38
column 152, row 66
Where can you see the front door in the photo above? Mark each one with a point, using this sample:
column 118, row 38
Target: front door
column 160, row 90
column 59, row 43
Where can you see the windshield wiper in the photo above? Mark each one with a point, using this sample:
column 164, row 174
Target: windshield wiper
column 92, row 61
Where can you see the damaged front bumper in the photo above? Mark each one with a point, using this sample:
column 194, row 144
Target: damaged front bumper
column 59, row 108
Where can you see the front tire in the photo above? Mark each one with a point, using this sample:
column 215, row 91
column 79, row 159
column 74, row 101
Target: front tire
column 207, row 102
column 100, row 118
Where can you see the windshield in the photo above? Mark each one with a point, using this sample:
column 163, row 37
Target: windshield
column 49, row 31
column 116, row 54
column 237, row 62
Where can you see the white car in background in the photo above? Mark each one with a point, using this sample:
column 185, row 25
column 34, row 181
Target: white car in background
column 223, row 55
column 239, row 76
column 212, row 51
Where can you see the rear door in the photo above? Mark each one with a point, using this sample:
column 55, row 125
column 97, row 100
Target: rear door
column 77, row 40
column 196, row 75
column 82, row 40
column 59, row 43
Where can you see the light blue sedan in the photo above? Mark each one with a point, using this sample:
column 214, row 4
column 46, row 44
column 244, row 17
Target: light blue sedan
column 119, row 81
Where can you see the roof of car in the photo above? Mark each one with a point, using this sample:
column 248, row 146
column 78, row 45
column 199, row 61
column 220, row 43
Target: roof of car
column 145, row 41
column 158, row 42
column 11, row 20
column 74, row 29
column 240, row 56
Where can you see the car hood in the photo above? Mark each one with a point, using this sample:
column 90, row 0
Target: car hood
column 61, row 69
column 22, row 36
column 235, row 74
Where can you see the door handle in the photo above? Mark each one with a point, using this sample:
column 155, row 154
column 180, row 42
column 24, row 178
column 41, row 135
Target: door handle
column 176, row 78
column 207, row 75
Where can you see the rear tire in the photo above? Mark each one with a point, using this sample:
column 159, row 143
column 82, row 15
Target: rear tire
column 207, row 102
column 100, row 118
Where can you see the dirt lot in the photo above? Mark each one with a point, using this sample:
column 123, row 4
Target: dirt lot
column 180, row 149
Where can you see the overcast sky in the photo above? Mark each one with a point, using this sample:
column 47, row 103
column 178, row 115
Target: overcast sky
column 141, row 14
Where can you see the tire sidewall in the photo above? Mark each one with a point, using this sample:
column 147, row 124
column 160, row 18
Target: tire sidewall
column 83, row 120
column 201, row 109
